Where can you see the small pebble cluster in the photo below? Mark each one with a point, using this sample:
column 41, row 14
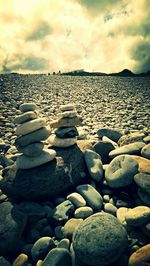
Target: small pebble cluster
column 30, row 132
column 104, row 221
column 66, row 132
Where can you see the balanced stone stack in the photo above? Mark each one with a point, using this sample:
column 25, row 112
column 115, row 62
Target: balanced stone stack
column 31, row 131
column 66, row 133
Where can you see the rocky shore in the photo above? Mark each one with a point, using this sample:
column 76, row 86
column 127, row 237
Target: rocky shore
column 74, row 172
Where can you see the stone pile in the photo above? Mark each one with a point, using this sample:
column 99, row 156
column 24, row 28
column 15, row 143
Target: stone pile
column 31, row 131
column 66, row 133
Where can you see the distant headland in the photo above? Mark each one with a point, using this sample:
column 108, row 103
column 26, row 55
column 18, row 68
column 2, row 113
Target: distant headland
column 123, row 73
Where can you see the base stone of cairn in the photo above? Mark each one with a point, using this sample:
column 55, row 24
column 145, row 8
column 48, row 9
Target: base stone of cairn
column 66, row 132
column 38, row 173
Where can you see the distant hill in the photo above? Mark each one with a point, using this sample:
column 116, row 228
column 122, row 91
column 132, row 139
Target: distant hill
column 123, row 73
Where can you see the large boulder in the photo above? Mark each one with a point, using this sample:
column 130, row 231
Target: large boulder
column 47, row 180
column 12, row 225
column 100, row 240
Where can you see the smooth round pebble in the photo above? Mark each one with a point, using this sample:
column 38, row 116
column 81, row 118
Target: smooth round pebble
column 25, row 107
column 21, row 260
column 76, row 199
column 110, row 208
column 83, row 212
column 70, row 226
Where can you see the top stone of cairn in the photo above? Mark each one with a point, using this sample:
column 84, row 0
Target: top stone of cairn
column 25, row 107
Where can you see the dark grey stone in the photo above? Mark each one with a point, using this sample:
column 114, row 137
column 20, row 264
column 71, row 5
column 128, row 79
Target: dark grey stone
column 48, row 180
column 58, row 257
column 103, row 148
column 62, row 212
column 66, row 132
column 12, row 225
column 113, row 134
column 41, row 247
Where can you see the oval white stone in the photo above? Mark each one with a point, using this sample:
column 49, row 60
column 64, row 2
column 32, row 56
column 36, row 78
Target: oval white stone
column 61, row 143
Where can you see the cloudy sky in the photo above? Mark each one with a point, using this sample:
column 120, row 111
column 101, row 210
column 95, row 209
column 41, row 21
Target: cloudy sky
column 39, row 36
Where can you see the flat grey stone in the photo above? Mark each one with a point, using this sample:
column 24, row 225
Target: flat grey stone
column 25, row 162
column 20, row 119
column 61, row 143
column 32, row 150
column 30, row 126
column 38, row 135
column 132, row 148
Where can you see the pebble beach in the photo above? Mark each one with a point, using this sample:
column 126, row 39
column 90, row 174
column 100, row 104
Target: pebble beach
column 74, row 171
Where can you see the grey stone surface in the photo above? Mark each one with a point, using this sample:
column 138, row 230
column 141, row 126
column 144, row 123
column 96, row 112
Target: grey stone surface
column 91, row 195
column 12, row 225
column 100, row 239
column 48, row 180
column 120, row 172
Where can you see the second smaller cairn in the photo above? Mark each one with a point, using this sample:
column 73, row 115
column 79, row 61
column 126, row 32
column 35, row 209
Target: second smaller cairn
column 31, row 131
column 66, row 133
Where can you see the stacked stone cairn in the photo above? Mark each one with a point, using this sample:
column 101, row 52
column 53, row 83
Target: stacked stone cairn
column 31, row 131
column 66, row 133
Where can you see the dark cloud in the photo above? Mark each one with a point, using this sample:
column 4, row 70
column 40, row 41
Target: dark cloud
column 98, row 6
column 141, row 55
column 26, row 63
column 41, row 30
